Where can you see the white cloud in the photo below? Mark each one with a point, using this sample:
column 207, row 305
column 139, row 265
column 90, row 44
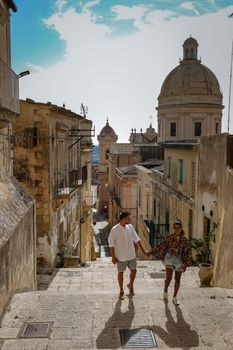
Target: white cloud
column 121, row 77
column 189, row 6
column 60, row 4
column 91, row 3
column 135, row 12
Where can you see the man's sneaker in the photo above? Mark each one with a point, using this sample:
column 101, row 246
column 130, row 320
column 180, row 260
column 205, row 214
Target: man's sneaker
column 121, row 295
column 175, row 301
column 131, row 290
column 165, row 296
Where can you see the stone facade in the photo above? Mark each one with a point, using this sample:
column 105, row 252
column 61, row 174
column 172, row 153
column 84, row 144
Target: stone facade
column 189, row 106
column 148, row 137
column 125, row 194
column 215, row 203
column 174, row 189
column 116, row 160
column 17, row 241
column 53, row 161
column 190, row 100
column 17, row 210
column 106, row 138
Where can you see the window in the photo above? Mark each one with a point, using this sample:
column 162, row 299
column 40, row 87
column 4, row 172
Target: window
column 181, row 170
column 107, row 154
column 154, row 208
column 229, row 161
column 173, row 129
column 139, row 195
column 169, row 167
column 217, row 128
column 197, row 129
column 84, row 173
column 30, row 137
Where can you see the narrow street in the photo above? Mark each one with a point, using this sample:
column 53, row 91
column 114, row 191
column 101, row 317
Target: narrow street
column 101, row 232
column 80, row 310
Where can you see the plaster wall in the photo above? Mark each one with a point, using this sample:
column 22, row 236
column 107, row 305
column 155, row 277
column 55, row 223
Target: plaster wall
column 223, row 269
column 17, row 241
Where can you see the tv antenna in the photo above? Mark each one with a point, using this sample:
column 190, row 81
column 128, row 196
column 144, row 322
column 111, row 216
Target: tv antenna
column 83, row 110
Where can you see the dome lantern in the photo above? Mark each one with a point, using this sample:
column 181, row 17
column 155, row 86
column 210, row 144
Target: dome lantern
column 190, row 46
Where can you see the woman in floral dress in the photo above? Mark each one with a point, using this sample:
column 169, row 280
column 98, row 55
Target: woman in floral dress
column 175, row 251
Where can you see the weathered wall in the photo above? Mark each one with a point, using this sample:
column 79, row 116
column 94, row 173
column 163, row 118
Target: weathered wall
column 144, row 234
column 211, row 186
column 4, row 32
column 17, row 241
column 223, row 269
column 5, row 151
column 48, row 163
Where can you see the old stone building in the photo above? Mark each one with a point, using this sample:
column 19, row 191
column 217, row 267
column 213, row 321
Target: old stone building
column 215, row 203
column 123, row 197
column 190, row 100
column 189, row 106
column 17, row 211
column 117, row 162
column 106, row 138
column 53, row 161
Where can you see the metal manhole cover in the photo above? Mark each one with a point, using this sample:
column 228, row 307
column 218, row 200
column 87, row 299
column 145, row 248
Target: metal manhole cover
column 36, row 330
column 137, row 338
column 157, row 275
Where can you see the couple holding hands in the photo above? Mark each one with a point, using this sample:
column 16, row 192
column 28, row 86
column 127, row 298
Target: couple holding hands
column 174, row 250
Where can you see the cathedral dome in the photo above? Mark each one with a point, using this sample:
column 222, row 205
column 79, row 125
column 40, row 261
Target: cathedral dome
column 107, row 131
column 191, row 81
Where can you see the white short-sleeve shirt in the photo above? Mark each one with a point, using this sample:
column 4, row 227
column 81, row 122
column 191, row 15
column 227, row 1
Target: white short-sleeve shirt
column 123, row 239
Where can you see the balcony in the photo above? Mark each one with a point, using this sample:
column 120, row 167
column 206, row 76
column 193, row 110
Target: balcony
column 86, row 144
column 9, row 92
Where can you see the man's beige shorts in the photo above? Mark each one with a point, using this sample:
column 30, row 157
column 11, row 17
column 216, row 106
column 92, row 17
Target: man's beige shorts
column 121, row 265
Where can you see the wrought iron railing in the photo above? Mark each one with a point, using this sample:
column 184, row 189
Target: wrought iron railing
column 157, row 232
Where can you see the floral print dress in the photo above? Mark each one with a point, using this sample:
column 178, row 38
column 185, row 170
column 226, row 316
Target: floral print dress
column 175, row 246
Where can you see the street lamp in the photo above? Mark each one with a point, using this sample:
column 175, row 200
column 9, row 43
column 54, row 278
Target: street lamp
column 22, row 74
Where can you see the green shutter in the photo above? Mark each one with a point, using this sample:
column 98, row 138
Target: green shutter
column 181, row 173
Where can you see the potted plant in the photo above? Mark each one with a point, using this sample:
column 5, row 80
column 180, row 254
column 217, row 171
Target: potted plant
column 197, row 245
column 204, row 252
column 69, row 255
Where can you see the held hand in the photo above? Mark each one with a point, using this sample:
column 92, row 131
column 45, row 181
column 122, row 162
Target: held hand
column 183, row 268
column 114, row 260
column 148, row 254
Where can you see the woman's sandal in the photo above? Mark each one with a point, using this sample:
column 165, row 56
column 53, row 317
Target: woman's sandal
column 121, row 296
column 131, row 290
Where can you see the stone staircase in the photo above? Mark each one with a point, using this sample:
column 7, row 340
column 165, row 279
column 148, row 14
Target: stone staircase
column 80, row 310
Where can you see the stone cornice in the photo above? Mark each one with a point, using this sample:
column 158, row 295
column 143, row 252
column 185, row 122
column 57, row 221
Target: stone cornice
column 11, row 5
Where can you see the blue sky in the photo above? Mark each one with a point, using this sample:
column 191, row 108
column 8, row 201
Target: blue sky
column 92, row 50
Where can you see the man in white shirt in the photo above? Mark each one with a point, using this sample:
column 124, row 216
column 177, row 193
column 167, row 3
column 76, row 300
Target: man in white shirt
column 122, row 240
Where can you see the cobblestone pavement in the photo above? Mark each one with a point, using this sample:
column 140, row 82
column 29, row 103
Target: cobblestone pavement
column 82, row 309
